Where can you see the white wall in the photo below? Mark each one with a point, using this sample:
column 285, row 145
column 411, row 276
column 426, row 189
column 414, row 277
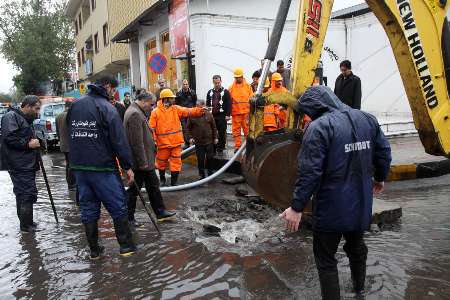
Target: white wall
column 234, row 34
column 369, row 50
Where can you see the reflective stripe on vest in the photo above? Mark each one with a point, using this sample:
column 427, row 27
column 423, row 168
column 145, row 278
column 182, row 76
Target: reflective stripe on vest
column 169, row 133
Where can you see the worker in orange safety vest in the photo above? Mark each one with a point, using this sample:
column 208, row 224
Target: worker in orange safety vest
column 240, row 92
column 277, row 87
column 271, row 113
column 165, row 122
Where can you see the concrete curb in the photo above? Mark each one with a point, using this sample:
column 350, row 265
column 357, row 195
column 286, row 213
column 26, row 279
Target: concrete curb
column 397, row 172
column 420, row 170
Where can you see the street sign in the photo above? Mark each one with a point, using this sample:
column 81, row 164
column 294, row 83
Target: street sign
column 157, row 63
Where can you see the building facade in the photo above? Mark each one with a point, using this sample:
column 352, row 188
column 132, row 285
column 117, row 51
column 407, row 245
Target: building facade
column 95, row 21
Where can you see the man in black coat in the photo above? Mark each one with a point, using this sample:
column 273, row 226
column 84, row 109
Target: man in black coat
column 219, row 100
column 19, row 153
column 348, row 86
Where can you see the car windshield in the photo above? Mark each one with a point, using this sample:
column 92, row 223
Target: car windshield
column 53, row 110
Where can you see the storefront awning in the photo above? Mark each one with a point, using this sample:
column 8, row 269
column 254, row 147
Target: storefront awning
column 144, row 19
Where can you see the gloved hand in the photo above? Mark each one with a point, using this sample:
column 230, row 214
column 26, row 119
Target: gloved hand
column 258, row 100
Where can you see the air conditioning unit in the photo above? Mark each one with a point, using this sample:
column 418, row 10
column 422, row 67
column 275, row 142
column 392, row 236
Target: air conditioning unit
column 88, row 67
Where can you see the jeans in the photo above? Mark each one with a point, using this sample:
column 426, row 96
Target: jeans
column 325, row 247
column 96, row 188
column 221, row 124
column 205, row 154
column 151, row 182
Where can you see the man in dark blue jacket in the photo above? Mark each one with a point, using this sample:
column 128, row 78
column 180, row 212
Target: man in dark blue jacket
column 97, row 141
column 344, row 159
column 19, row 154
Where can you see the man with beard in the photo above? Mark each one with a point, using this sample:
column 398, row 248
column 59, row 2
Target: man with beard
column 20, row 157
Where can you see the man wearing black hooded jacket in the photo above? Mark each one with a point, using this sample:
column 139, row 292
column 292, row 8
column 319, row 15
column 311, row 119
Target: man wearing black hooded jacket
column 344, row 159
column 19, row 154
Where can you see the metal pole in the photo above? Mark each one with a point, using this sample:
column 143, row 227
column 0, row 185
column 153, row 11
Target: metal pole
column 274, row 42
column 44, row 173
column 146, row 208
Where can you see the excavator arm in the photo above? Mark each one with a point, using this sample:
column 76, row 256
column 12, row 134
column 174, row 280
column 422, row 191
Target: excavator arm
column 419, row 33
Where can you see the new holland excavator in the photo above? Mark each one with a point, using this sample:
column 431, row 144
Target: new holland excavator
column 419, row 34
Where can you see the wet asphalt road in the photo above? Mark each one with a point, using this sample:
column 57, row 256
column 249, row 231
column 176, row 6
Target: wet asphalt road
column 409, row 260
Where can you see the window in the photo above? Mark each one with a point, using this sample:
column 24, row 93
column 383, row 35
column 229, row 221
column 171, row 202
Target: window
column 80, row 22
column 93, row 4
column 76, row 27
column 105, row 35
column 83, row 58
column 96, row 43
column 79, row 59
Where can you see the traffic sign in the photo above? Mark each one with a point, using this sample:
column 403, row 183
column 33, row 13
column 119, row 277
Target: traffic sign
column 157, row 63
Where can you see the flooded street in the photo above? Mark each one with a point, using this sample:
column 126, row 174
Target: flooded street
column 409, row 260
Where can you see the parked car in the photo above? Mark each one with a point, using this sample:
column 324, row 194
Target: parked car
column 3, row 111
column 45, row 125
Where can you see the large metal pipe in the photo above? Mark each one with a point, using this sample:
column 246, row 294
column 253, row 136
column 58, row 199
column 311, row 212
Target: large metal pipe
column 207, row 179
column 274, row 42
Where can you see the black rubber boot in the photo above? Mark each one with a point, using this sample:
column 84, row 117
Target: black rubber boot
column 162, row 214
column 162, row 177
column 210, row 172
column 201, row 173
column 358, row 277
column 124, row 236
column 26, row 216
column 91, row 230
column 174, row 178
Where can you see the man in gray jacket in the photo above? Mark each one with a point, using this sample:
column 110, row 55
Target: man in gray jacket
column 63, row 135
column 143, row 151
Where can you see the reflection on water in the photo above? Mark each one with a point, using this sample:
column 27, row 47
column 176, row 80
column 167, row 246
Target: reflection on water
column 409, row 260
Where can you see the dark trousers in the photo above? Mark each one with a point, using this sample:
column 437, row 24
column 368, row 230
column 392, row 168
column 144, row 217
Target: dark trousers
column 221, row 124
column 325, row 247
column 96, row 188
column 24, row 187
column 70, row 178
column 151, row 182
column 205, row 155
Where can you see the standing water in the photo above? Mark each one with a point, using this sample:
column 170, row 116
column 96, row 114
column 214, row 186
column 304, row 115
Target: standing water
column 252, row 258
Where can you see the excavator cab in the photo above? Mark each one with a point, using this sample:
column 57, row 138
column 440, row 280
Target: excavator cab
column 419, row 33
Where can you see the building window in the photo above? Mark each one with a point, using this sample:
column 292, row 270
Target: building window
column 80, row 21
column 93, row 4
column 76, row 27
column 83, row 58
column 96, row 43
column 105, row 35
column 79, row 59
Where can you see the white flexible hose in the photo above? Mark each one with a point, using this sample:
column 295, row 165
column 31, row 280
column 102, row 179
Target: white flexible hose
column 187, row 150
column 207, row 179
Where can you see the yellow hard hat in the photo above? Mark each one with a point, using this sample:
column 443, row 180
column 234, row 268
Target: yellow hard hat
column 267, row 83
column 277, row 76
column 166, row 93
column 238, row 72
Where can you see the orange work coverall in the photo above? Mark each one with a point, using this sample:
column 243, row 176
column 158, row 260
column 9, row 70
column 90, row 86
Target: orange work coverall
column 168, row 133
column 240, row 109
column 271, row 117
column 282, row 116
